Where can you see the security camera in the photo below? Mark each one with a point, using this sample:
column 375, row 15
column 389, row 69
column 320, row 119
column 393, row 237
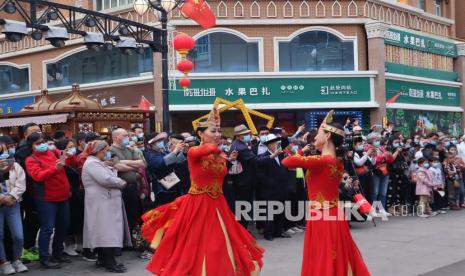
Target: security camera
column 57, row 36
column 14, row 30
column 127, row 45
column 93, row 41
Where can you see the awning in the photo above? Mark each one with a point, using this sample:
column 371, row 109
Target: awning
column 40, row 120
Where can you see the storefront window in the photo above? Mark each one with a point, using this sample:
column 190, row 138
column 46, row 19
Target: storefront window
column 13, row 79
column 90, row 66
column 224, row 52
column 421, row 4
column 110, row 4
column 316, row 51
column 437, row 7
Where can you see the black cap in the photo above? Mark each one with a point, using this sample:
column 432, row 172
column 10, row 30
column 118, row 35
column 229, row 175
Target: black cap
column 92, row 136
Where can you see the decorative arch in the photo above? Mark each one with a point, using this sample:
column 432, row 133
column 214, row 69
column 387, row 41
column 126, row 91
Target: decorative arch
column 340, row 37
column 288, row 9
column 221, row 10
column 254, row 9
column 209, row 55
column 320, row 9
column 271, row 9
column 389, row 16
column 352, row 8
column 238, row 9
column 336, row 9
column 304, row 9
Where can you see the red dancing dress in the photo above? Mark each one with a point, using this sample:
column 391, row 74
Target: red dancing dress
column 329, row 249
column 197, row 234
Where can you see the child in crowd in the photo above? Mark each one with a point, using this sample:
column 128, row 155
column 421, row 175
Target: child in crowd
column 424, row 188
column 438, row 188
column 453, row 179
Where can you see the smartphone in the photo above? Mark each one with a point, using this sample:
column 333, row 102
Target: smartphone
column 10, row 161
column 62, row 156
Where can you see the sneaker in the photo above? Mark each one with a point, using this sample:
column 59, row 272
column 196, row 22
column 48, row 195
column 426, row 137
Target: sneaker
column 434, row 213
column 146, row 255
column 423, row 216
column 442, row 212
column 290, row 232
column 297, row 229
column 69, row 250
column 7, row 269
column 384, row 213
column 31, row 255
column 19, row 266
column 89, row 256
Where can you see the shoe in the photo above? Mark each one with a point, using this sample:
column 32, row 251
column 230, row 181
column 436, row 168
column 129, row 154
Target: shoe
column 61, row 259
column 454, row 207
column 7, row 269
column 463, row 206
column 100, row 264
column 384, row 213
column 269, row 238
column 146, row 255
column 290, row 232
column 442, row 212
column 297, row 229
column 19, row 266
column 31, row 255
column 89, row 256
column 423, row 216
column 116, row 269
column 283, row 235
column 434, row 213
column 50, row 265
column 69, row 250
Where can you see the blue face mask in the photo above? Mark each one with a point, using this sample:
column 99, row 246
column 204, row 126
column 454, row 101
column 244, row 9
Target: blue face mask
column 295, row 148
column 222, row 147
column 359, row 148
column 437, row 165
column 134, row 138
column 108, row 156
column 4, row 155
column 426, row 165
column 434, row 143
column 72, row 151
column 42, row 147
column 396, row 145
column 125, row 142
column 447, row 144
column 263, row 138
column 140, row 136
column 454, row 142
column 376, row 143
column 247, row 138
column 12, row 151
column 160, row 145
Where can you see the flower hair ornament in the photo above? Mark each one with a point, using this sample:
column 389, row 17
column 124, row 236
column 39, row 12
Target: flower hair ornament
column 213, row 119
column 326, row 125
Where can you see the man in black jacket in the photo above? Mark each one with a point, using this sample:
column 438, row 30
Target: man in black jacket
column 275, row 186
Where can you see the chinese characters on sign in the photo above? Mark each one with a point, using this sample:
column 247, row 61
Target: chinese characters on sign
column 337, row 90
column 104, row 100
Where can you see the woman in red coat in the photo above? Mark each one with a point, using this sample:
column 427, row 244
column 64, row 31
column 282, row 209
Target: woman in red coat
column 197, row 234
column 328, row 248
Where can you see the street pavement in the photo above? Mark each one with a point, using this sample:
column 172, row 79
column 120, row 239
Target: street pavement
column 402, row 246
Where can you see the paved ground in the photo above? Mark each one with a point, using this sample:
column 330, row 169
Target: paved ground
column 403, row 246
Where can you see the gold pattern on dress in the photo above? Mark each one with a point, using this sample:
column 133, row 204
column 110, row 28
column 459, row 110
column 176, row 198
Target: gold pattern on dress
column 319, row 202
column 214, row 190
column 335, row 171
column 213, row 162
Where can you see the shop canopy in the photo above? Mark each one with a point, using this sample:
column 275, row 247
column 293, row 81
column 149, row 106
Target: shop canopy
column 40, row 120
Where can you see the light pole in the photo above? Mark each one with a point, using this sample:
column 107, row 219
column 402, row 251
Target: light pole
column 163, row 7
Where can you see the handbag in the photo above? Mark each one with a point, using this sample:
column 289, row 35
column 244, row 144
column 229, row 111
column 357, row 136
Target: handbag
column 236, row 168
column 169, row 181
column 361, row 170
column 382, row 170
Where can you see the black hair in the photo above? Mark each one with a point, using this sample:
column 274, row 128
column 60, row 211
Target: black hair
column 433, row 134
column 311, row 136
column 6, row 140
column 136, row 127
column 262, row 128
column 34, row 137
column 28, row 125
column 59, row 134
column 338, row 140
column 421, row 161
column 80, row 136
column 177, row 137
column 150, row 136
column 62, row 144
column 201, row 129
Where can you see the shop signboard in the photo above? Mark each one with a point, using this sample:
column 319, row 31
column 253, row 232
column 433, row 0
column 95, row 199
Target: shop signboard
column 9, row 106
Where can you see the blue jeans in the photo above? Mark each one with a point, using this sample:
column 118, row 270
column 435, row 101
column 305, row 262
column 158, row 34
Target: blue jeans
column 52, row 215
column 12, row 217
column 379, row 189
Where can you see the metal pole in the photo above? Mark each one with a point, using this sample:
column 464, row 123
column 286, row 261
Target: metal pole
column 164, row 64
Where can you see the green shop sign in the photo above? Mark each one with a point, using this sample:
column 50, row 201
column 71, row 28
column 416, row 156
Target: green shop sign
column 422, row 93
column 419, row 42
column 275, row 90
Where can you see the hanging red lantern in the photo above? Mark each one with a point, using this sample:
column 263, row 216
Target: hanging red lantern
column 185, row 66
column 183, row 43
column 185, row 82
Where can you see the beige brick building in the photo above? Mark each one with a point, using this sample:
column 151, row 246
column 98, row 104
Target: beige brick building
column 290, row 59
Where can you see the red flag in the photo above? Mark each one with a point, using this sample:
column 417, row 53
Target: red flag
column 393, row 99
column 144, row 103
column 199, row 11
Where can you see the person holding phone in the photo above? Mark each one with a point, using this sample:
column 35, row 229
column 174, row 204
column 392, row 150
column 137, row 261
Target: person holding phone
column 12, row 187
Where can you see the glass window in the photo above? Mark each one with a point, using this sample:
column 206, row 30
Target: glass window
column 224, row 52
column 90, row 66
column 110, row 4
column 437, row 7
column 422, row 4
column 13, row 79
column 316, row 51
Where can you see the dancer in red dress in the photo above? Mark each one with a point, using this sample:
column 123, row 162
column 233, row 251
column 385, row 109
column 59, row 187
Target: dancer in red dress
column 197, row 234
column 329, row 249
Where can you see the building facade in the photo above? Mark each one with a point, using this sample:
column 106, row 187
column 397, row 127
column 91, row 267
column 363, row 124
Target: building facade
column 290, row 59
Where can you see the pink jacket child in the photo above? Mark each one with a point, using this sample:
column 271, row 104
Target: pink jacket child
column 425, row 182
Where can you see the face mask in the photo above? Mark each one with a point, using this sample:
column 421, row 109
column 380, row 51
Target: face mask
column 422, row 144
column 42, row 147
column 12, row 151
column 125, row 142
column 247, row 138
column 407, row 146
column 107, row 156
column 426, row 165
column 437, row 165
column 160, row 145
column 396, row 145
column 141, row 148
column 376, row 143
column 134, row 138
column 52, row 147
column 295, row 148
column 222, row 147
column 359, row 148
column 454, row 142
column 434, row 143
column 4, row 155
column 447, row 144
column 140, row 136
column 72, row 151
column 263, row 138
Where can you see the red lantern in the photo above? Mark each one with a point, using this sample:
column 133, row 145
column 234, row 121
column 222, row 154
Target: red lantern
column 183, row 43
column 185, row 66
column 185, row 82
